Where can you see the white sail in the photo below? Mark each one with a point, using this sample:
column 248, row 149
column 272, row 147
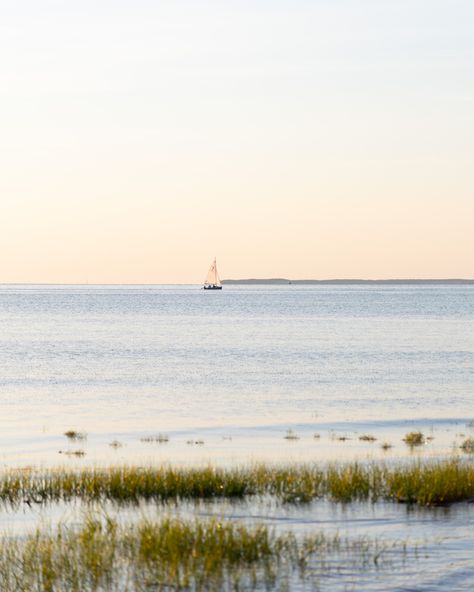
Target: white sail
column 212, row 278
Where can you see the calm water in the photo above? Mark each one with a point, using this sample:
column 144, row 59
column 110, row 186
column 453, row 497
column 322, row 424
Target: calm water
column 125, row 360
column 226, row 374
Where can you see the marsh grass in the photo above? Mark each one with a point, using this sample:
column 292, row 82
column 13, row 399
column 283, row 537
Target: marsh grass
column 386, row 445
column 428, row 483
column 367, row 438
column 468, row 446
column 291, row 435
column 414, row 439
column 72, row 452
column 159, row 438
column 173, row 554
column 431, row 484
column 75, row 436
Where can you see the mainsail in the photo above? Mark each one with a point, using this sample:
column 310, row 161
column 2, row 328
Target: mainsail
column 212, row 278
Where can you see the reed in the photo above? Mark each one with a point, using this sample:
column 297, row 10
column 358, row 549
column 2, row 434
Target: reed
column 172, row 554
column 426, row 483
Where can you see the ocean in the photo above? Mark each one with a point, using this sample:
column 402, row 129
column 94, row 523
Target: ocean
column 178, row 375
column 121, row 361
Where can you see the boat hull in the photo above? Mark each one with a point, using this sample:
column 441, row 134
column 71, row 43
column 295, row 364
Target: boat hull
column 212, row 287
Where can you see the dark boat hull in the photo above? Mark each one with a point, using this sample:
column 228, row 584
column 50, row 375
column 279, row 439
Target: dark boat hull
column 212, row 287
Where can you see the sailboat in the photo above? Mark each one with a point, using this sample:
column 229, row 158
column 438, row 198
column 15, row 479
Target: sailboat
column 212, row 281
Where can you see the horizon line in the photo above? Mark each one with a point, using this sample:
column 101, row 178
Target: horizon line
column 253, row 280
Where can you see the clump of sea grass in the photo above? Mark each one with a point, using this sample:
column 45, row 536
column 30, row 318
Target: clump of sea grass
column 352, row 482
column 343, row 438
column 291, row 435
column 431, row 484
column 386, row 445
column 72, row 452
column 116, row 444
column 414, row 439
column 159, row 438
column 316, row 436
column 74, row 435
column 468, row 446
column 367, row 438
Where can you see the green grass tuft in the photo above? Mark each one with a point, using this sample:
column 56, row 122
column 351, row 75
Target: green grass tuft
column 431, row 484
column 468, row 446
column 414, row 439
column 75, row 435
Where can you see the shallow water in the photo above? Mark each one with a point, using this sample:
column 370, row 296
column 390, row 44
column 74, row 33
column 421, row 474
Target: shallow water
column 226, row 374
column 421, row 549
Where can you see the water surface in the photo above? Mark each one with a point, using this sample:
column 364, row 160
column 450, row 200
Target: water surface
column 226, row 374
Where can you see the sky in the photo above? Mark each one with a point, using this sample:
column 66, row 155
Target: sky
column 301, row 139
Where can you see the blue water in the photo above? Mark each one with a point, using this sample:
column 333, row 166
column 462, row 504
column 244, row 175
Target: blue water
column 246, row 355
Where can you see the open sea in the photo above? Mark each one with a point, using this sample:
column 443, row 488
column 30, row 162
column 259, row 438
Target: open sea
column 223, row 377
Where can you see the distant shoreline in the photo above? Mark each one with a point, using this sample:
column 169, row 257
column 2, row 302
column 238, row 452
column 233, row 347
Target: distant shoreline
column 284, row 281
column 254, row 281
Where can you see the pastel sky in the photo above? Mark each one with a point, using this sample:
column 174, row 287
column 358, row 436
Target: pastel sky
column 303, row 139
